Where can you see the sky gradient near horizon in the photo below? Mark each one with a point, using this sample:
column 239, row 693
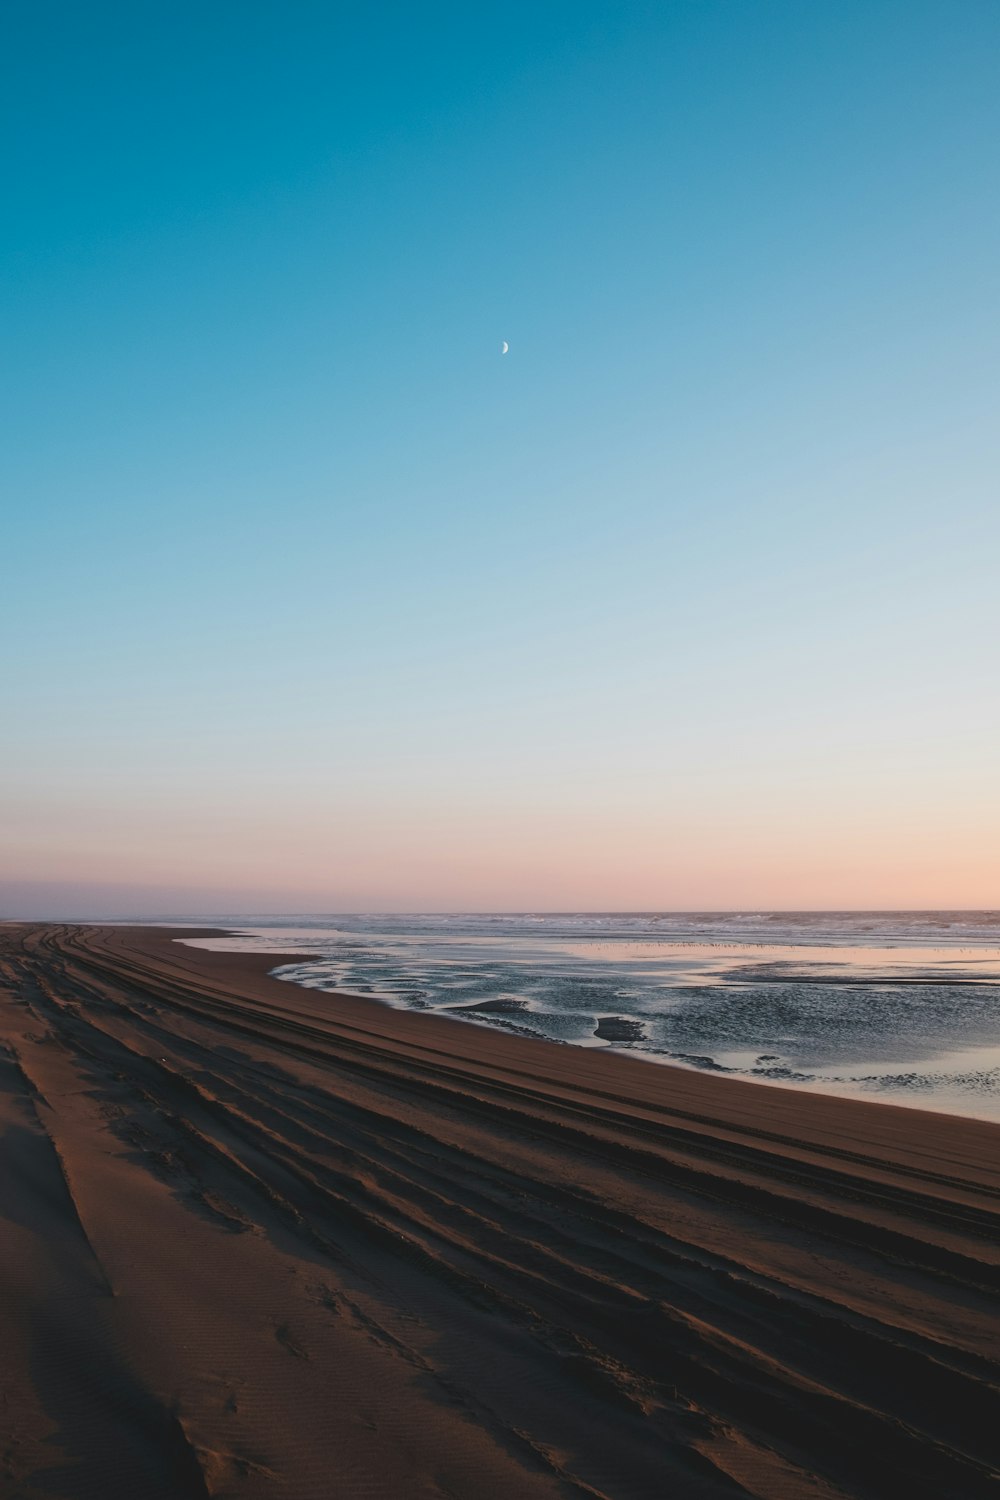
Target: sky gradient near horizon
column 314, row 600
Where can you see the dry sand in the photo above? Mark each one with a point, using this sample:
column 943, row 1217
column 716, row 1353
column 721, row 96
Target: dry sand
column 258, row 1241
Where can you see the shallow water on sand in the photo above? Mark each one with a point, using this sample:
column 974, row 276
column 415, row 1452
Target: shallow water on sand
column 899, row 1006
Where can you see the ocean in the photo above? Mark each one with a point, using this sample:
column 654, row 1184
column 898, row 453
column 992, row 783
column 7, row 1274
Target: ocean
column 898, row 1006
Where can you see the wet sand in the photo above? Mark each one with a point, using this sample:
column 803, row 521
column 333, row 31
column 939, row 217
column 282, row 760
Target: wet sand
column 257, row 1240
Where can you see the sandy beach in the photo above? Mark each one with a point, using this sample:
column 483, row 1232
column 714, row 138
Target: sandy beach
column 260, row 1241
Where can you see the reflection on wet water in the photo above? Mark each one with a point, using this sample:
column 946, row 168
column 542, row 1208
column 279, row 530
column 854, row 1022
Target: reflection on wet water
column 909, row 1012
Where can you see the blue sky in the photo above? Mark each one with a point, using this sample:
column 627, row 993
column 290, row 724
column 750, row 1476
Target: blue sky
column 314, row 598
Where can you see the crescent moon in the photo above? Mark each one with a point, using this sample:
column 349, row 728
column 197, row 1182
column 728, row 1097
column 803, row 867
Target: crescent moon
column 504, row 346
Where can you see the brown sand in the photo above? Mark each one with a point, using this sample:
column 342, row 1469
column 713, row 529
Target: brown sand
column 257, row 1241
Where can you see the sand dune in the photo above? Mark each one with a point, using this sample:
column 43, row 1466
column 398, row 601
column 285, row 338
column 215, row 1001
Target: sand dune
column 257, row 1241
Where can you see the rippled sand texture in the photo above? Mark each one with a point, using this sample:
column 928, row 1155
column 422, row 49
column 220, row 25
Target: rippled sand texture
column 258, row 1242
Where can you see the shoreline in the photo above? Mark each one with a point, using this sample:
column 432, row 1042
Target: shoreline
column 943, row 1104
column 311, row 1246
column 273, row 960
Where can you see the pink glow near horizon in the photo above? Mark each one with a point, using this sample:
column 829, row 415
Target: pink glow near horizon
column 565, row 858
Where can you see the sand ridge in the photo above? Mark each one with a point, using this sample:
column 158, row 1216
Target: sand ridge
column 262, row 1241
